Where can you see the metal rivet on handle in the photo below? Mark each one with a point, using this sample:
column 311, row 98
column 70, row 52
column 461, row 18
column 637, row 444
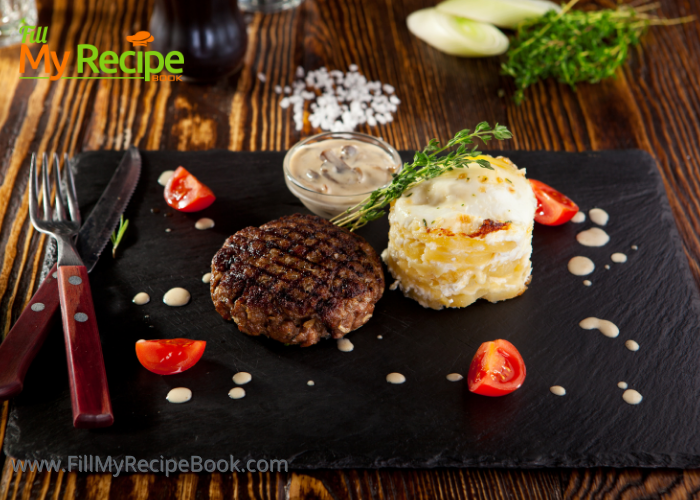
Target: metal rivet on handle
column 75, row 280
column 81, row 317
column 38, row 306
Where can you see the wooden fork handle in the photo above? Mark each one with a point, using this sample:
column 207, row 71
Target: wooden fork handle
column 86, row 369
column 27, row 335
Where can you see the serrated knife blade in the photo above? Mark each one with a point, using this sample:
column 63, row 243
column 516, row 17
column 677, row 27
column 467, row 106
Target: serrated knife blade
column 97, row 228
column 27, row 335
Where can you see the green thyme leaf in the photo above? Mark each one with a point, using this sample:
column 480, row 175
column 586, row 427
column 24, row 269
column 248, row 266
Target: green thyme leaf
column 484, row 164
column 117, row 235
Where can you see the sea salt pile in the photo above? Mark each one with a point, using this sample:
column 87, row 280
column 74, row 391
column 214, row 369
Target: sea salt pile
column 339, row 101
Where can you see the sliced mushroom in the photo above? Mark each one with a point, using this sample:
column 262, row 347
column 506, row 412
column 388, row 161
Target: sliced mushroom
column 328, row 176
column 330, row 157
column 348, row 151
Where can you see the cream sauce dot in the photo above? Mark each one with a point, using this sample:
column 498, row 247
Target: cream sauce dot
column 455, row 377
column 176, row 297
column 236, row 393
column 606, row 327
column 165, row 176
column 634, row 247
column 242, row 378
column 557, row 390
column 587, row 282
column 632, row 397
column 593, row 237
column 599, row 216
column 204, row 223
column 607, row 266
column 179, row 395
column 618, row 258
column 632, row 345
column 345, row 345
column 395, row 378
column 581, row 266
column 380, row 337
column 579, row 218
column 141, row 298
column 206, row 278
column 622, row 385
column 310, row 383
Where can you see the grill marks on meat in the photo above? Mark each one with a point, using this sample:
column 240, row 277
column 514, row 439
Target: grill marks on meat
column 296, row 279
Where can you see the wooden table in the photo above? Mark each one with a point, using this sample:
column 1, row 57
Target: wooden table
column 653, row 104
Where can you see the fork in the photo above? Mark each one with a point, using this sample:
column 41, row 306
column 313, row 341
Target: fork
column 86, row 369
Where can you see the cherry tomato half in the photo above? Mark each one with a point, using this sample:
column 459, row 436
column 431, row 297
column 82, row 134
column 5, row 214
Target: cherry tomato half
column 496, row 370
column 168, row 356
column 185, row 193
column 553, row 208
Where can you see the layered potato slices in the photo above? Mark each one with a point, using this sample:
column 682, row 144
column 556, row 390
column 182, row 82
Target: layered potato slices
column 464, row 235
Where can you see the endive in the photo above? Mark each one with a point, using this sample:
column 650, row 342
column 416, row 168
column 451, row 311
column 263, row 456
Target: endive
column 457, row 35
column 503, row 13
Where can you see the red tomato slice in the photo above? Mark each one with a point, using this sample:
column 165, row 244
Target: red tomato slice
column 168, row 356
column 553, row 208
column 497, row 369
column 185, row 193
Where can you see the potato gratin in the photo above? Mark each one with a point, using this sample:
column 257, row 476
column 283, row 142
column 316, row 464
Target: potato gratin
column 464, row 235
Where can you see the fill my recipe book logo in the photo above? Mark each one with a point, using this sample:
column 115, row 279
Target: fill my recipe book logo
column 146, row 64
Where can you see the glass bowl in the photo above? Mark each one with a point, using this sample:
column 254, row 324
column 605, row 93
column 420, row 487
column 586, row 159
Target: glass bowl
column 329, row 205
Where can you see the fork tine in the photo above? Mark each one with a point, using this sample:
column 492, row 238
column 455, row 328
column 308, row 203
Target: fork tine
column 60, row 203
column 45, row 187
column 33, row 192
column 70, row 190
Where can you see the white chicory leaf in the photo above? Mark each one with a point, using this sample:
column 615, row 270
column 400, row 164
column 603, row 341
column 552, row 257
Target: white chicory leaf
column 503, row 13
column 457, row 35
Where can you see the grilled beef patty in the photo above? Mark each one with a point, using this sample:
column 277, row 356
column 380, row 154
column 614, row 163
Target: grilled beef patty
column 297, row 279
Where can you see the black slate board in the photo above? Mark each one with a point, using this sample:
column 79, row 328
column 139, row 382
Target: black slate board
column 352, row 417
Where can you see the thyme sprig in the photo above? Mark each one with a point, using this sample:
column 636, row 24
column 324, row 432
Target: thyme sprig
column 576, row 46
column 427, row 164
column 116, row 237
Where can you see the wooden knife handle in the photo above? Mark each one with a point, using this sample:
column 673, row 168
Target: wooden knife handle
column 86, row 368
column 26, row 337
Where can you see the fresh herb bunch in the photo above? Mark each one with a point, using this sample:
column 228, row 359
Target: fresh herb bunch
column 117, row 235
column 575, row 46
column 426, row 165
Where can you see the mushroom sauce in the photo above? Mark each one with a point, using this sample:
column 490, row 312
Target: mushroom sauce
column 342, row 167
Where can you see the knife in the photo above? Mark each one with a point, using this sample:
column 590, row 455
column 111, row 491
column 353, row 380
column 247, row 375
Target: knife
column 27, row 335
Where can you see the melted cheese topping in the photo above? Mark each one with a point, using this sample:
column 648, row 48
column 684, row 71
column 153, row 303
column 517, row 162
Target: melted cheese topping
column 460, row 201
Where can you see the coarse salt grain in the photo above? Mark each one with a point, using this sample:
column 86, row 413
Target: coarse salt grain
column 262, row 77
column 339, row 101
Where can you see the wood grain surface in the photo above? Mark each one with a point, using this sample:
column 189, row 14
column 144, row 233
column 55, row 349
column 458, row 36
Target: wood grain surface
column 652, row 104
